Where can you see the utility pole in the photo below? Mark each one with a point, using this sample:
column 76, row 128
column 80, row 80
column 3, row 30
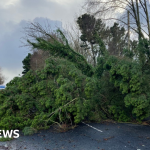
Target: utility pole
column 128, row 30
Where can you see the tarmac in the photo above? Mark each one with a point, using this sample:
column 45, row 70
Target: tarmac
column 86, row 136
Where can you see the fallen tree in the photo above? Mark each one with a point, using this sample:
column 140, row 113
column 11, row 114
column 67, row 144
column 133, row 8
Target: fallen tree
column 69, row 90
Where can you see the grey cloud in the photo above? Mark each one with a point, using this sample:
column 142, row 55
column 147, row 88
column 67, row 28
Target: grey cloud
column 14, row 17
column 44, row 22
column 11, row 54
column 28, row 10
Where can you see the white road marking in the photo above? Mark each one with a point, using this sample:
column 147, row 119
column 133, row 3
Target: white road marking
column 92, row 127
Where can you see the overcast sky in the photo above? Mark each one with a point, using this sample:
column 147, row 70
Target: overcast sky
column 15, row 14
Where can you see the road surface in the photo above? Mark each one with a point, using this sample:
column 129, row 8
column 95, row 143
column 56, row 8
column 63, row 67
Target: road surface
column 92, row 136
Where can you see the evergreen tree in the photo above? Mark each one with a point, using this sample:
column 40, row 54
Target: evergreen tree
column 1, row 77
column 26, row 64
column 91, row 29
column 68, row 89
column 117, row 40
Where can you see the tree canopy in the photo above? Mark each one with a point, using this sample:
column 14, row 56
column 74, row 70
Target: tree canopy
column 67, row 89
column 26, row 64
column 111, row 10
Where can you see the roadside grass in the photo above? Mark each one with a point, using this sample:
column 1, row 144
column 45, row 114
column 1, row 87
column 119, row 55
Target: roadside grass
column 5, row 139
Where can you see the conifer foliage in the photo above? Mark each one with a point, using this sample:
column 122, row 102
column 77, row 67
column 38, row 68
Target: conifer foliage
column 57, row 94
column 26, row 64
column 68, row 89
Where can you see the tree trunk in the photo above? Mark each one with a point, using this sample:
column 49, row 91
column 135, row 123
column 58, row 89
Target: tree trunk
column 138, row 20
column 128, row 30
column 93, row 55
column 147, row 18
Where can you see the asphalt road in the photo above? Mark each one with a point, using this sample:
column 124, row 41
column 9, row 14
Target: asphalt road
column 101, row 136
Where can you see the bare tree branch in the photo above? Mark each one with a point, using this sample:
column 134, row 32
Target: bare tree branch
column 138, row 10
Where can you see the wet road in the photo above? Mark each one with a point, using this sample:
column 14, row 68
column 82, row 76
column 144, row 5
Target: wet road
column 94, row 136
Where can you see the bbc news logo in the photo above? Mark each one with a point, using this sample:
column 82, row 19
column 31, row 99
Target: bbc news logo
column 2, row 87
column 9, row 133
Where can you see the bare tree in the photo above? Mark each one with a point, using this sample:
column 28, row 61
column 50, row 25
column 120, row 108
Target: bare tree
column 109, row 10
column 37, row 61
column 73, row 33
column 33, row 31
column 1, row 77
